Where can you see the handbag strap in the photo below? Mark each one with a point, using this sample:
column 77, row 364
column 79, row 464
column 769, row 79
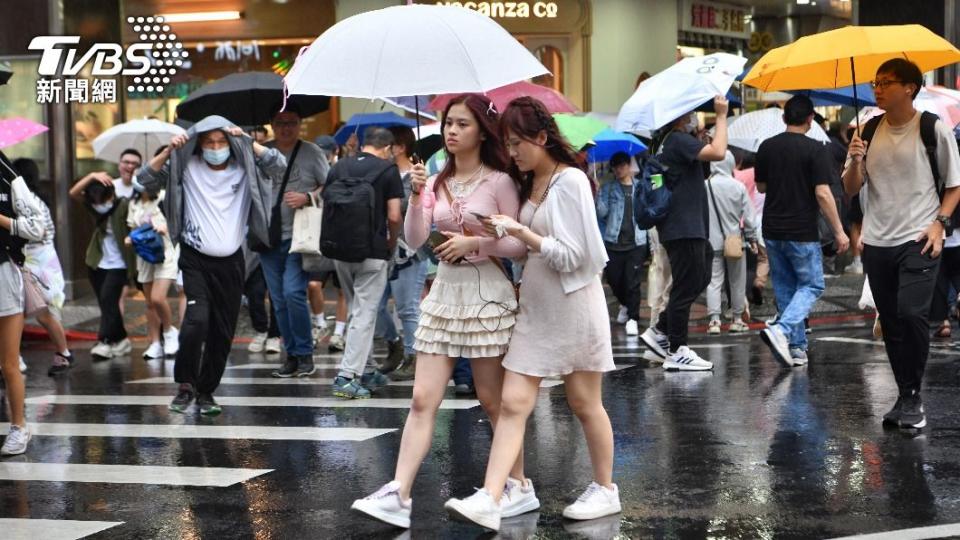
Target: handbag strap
column 716, row 209
column 286, row 175
column 466, row 232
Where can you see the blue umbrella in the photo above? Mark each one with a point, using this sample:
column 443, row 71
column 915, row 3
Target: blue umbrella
column 840, row 96
column 733, row 99
column 359, row 122
column 608, row 142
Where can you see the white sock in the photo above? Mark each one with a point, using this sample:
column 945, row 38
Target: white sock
column 856, row 259
column 340, row 329
column 319, row 321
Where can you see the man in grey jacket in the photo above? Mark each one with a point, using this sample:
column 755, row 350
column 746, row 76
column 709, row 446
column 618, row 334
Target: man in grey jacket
column 217, row 183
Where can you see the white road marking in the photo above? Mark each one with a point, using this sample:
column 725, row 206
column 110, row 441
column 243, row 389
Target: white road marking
column 249, row 401
column 183, row 431
column 52, row 529
column 918, row 533
column 127, row 474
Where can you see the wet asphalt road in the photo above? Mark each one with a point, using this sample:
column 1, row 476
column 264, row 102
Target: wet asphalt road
column 751, row 450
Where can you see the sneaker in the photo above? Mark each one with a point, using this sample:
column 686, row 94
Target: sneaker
column 306, row 367
column 184, row 398
column 686, row 360
column 394, row 356
column 596, row 502
column 349, row 388
column 407, row 370
column 61, row 363
column 208, row 405
column 273, row 346
column 631, row 328
column 911, row 411
column 798, row 356
column 714, row 327
column 318, row 333
column 258, row 343
column 374, row 381
column 464, row 389
column 856, row 267
column 892, row 418
column 806, row 327
column 479, row 508
column 738, row 327
column 171, row 341
column 154, row 351
column 622, row 316
column 518, row 498
column 22, row 365
column 336, row 343
column 101, row 351
column 122, row 347
column 656, row 341
column 16, row 441
column 779, row 346
column 288, row 369
column 386, row 505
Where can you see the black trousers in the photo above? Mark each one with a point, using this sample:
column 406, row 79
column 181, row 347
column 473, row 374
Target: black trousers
column 949, row 275
column 213, row 286
column 108, row 286
column 255, row 289
column 690, row 267
column 624, row 273
column 903, row 281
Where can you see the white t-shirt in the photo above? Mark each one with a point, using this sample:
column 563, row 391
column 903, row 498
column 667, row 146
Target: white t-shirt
column 216, row 206
column 112, row 258
column 122, row 190
column 902, row 197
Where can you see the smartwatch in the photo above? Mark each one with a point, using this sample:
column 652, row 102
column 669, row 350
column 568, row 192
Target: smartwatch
column 944, row 221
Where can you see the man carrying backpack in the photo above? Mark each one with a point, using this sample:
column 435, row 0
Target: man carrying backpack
column 908, row 165
column 361, row 200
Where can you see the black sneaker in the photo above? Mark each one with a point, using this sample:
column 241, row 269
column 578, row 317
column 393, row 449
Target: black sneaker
column 289, row 368
column 911, row 413
column 184, row 398
column 305, row 367
column 892, row 418
column 208, row 406
column 394, row 356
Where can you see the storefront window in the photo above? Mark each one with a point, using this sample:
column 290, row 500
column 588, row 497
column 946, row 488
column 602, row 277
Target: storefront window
column 552, row 59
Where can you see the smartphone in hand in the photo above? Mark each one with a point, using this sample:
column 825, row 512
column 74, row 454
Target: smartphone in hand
column 436, row 238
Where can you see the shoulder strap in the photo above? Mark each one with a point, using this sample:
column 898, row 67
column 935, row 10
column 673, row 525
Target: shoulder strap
column 928, row 135
column 716, row 209
column 870, row 128
column 286, row 173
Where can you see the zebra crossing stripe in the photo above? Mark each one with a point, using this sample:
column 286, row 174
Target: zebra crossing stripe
column 183, row 431
column 127, row 474
column 249, row 401
column 52, row 529
column 298, row 381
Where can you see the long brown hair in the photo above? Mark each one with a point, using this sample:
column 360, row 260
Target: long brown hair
column 493, row 153
column 527, row 117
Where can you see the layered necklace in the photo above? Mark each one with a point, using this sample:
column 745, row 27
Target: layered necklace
column 463, row 188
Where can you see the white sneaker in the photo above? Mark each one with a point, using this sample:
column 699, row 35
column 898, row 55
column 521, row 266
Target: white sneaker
column 714, row 327
column 856, row 267
column 779, row 346
column 121, row 347
column 23, row 365
column 655, row 341
column 798, row 356
column 154, row 351
column 171, row 341
column 102, row 351
column 596, row 502
column 631, row 328
column 518, row 498
column 273, row 346
column 336, row 343
column 686, row 360
column 622, row 316
column 738, row 327
column 385, row 504
column 478, row 508
column 16, row 441
column 258, row 343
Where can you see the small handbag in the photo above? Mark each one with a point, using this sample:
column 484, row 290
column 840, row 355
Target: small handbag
column 33, row 301
column 147, row 243
column 732, row 244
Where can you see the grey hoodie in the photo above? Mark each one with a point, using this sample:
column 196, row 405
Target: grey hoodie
column 259, row 172
column 732, row 202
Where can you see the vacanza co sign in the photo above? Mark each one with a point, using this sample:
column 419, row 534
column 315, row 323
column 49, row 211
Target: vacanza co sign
column 510, row 10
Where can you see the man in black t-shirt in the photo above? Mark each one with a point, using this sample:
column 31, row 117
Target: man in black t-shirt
column 363, row 282
column 685, row 235
column 795, row 173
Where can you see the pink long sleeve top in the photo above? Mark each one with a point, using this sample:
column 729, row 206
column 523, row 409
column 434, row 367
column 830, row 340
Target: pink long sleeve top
column 495, row 193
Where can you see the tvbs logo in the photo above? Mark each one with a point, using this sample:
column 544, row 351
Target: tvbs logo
column 107, row 58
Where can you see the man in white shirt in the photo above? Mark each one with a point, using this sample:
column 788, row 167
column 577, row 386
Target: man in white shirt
column 905, row 218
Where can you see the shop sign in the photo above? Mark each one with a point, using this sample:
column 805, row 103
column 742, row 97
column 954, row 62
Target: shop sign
column 510, row 10
column 714, row 18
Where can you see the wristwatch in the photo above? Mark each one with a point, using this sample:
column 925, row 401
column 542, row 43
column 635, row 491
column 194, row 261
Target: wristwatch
column 944, row 221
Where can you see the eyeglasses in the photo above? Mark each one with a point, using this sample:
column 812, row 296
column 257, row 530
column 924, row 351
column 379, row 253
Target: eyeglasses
column 883, row 84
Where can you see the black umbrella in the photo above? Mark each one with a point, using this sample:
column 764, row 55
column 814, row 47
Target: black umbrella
column 247, row 99
column 5, row 72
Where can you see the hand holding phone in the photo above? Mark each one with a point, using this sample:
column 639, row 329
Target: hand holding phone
column 479, row 216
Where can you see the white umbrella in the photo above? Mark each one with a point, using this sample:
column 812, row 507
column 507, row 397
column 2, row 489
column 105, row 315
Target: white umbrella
column 411, row 50
column 679, row 89
column 145, row 136
column 747, row 131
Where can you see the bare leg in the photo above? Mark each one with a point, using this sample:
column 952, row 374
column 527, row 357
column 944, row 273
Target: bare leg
column 153, row 320
column 11, row 329
column 584, row 397
column 315, row 295
column 429, row 386
column 488, row 381
column 341, row 307
column 158, row 299
column 55, row 329
column 519, row 396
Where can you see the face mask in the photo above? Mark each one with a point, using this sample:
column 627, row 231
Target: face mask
column 693, row 124
column 216, row 157
column 103, row 208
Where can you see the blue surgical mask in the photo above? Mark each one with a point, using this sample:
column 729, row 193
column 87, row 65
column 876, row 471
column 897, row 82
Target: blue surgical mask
column 216, row 157
column 693, row 123
column 103, row 208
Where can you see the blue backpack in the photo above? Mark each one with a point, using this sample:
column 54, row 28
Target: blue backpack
column 650, row 204
column 147, row 243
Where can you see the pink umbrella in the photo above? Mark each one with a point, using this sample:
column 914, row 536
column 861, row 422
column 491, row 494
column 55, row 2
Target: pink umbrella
column 932, row 100
column 17, row 130
column 555, row 101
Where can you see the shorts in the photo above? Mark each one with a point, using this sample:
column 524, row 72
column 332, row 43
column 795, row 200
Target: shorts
column 855, row 213
column 11, row 290
column 323, row 277
column 168, row 269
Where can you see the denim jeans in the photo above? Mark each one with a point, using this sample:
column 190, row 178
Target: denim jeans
column 462, row 372
column 796, row 269
column 287, row 283
column 406, row 290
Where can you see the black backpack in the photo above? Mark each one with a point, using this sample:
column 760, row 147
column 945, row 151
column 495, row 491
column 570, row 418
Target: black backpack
column 348, row 230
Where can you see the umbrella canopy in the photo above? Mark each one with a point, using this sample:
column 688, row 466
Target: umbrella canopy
column 17, row 130
column 359, row 122
column 579, row 130
column 146, row 136
column 840, row 96
column 246, row 99
column 5, row 72
column 678, row 90
column 942, row 105
column 374, row 54
column 501, row 97
column 749, row 130
column 608, row 142
column 414, row 104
